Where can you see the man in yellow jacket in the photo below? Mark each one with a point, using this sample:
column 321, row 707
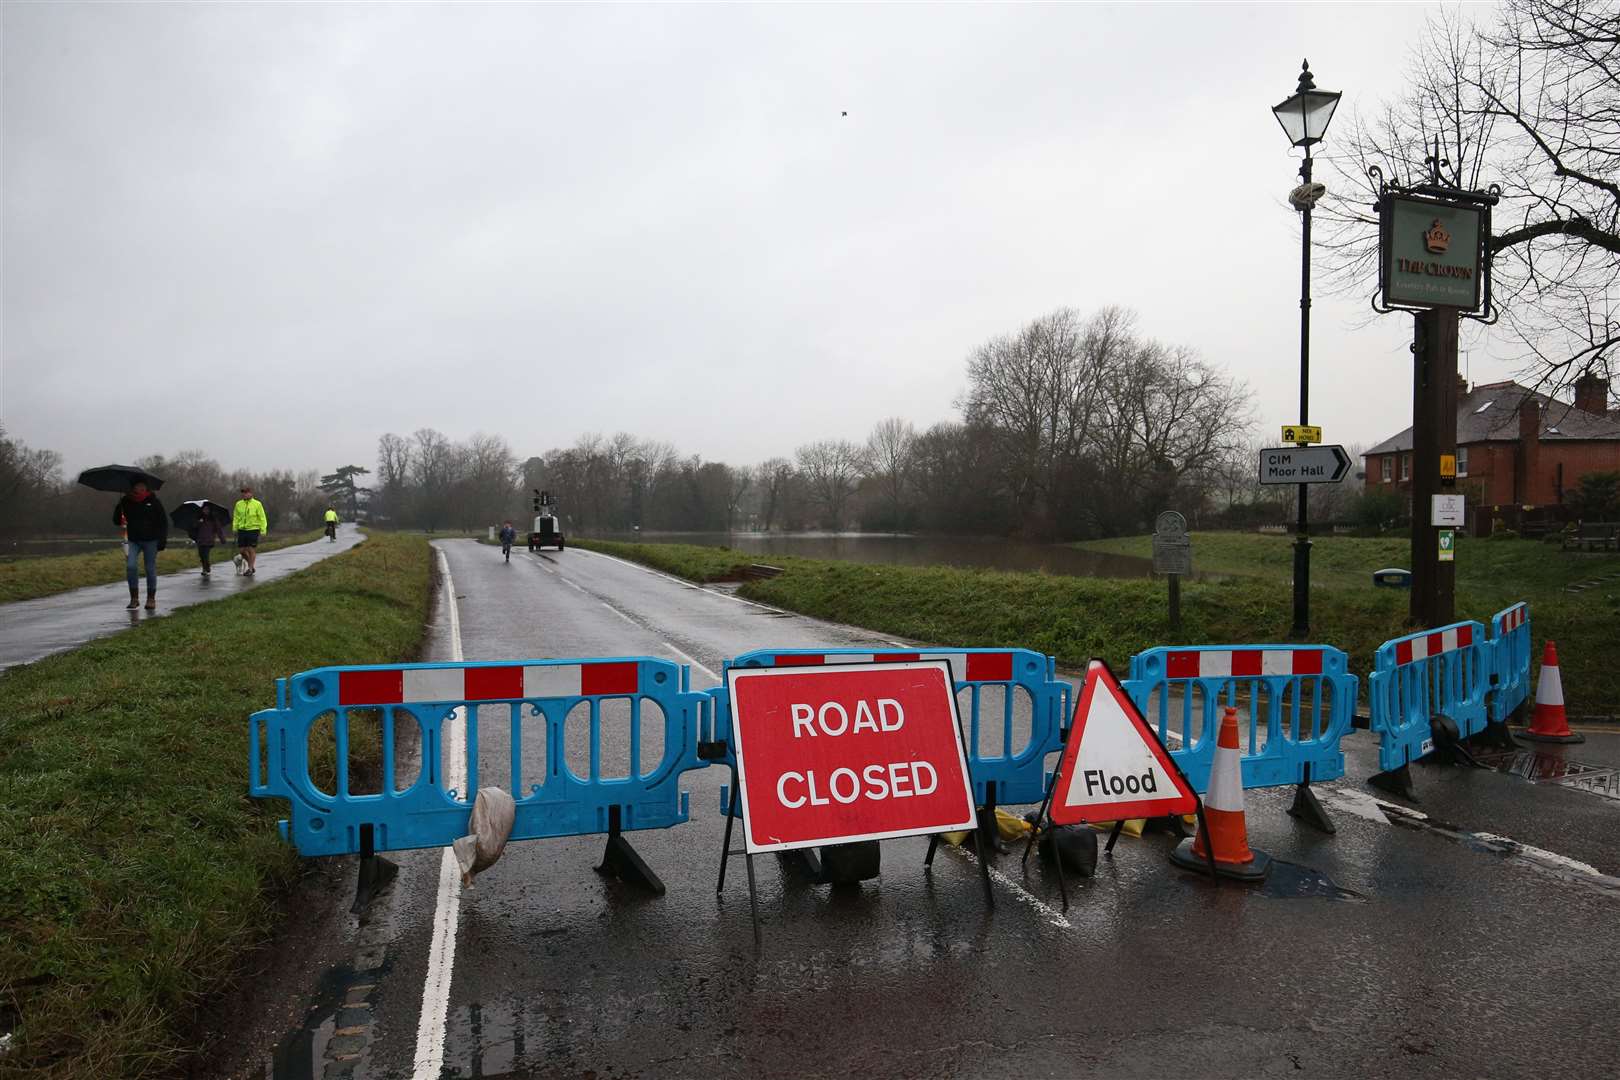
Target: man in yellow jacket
column 250, row 524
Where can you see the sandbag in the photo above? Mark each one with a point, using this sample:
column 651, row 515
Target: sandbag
column 492, row 814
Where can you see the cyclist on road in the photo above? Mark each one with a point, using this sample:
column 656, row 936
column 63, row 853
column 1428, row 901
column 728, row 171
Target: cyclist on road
column 508, row 535
column 331, row 523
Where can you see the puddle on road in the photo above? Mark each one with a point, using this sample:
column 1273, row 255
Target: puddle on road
column 1550, row 768
column 1290, row 881
column 328, row 1042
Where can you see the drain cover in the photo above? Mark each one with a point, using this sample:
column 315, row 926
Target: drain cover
column 1539, row 768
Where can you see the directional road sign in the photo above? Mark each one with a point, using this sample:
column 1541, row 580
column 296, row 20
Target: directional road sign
column 1304, row 464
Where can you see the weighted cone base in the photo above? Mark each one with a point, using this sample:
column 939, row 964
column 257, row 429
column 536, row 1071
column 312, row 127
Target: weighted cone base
column 1077, row 848
column 1496, row 736
column 1396, row 782
column 852, row 863
column 1308, row 808
column 1254, row 870
column 1531, row 736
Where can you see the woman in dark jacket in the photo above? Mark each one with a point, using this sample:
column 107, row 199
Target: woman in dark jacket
column 208, row 533
column 141, row 513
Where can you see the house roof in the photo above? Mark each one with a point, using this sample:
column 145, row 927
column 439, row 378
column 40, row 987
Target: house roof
column 1490, row 413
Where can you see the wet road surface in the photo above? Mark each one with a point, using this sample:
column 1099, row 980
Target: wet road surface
column 1397, row 946
column 33, row 629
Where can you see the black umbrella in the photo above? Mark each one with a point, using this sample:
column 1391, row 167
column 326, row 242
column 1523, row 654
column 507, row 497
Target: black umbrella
column 187, row 514
column 117, row 478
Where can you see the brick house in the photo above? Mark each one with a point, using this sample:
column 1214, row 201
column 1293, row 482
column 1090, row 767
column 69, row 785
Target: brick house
column 1519, row 453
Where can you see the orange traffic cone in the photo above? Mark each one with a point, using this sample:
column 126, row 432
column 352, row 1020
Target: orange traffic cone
column 1549, row 723
column 1223, row 829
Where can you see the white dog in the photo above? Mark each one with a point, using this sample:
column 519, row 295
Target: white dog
column 240, row 563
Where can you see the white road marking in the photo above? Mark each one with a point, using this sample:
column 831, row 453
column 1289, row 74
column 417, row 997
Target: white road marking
column 682, row 582
column 1358, row 803
column 571, row 585
column 1051, row 914
column 619, row 613
column 1366, row 806
column 691, row 661
column 430, row 1029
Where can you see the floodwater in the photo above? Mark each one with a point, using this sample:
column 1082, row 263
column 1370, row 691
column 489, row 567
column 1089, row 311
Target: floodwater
column 981, row 552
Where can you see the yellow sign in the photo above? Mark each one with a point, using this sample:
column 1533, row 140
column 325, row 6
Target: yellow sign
column 1301, row 433
column 1448, row 466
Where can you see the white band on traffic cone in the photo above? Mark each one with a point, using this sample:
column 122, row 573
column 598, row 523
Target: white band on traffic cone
column 1550, row 687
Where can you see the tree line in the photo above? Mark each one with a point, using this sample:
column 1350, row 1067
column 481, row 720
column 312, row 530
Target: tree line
column 41, row 501
column 1071, row 426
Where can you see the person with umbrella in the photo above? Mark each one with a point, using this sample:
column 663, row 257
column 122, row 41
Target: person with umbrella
column 204, row 521
column 141, row 512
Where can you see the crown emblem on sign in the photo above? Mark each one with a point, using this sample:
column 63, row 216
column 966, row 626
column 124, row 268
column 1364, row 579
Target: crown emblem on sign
column 1436, row 238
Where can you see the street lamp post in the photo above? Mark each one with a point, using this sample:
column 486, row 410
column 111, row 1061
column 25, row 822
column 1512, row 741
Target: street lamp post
column 1304, row 118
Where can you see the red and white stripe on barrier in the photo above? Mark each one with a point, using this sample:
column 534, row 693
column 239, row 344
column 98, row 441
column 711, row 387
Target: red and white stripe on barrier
column 1241, row 663
column 1441, row 641
column 399, row 686
column 981, row 667
column 1515, row 617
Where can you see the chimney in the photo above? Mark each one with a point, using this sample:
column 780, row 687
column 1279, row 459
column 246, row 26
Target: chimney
column 1592, row 394
column 1462, row 387
column 1528, row 451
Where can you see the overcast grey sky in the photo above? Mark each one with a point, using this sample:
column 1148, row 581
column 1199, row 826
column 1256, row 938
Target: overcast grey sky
column 274, row 232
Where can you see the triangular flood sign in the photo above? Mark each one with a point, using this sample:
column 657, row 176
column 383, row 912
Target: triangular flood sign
column 1113, row 766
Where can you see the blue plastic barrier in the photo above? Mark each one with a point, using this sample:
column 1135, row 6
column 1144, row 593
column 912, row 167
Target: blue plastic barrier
column 1018, row 772
column 430, row 813
column 1510, row 660
column 1440, row 672
column 1299, row 701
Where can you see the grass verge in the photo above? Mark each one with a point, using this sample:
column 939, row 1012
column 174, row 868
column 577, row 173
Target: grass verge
column 689, row 561
column 1076, row 618
column 137, row 871
column 26, row 579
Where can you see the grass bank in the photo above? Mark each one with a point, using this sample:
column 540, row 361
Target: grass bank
column 26, row 579
column 136, row 868
column 1075, row 618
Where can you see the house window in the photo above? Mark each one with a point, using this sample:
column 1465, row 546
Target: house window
column 1462, row 461
column 1387, row 468
column 1406, row 466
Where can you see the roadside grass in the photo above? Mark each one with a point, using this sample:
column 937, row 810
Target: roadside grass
column 1076, row 618
column 137, row 871
column 690, row 561
column 26, row 579
column 1494, row 567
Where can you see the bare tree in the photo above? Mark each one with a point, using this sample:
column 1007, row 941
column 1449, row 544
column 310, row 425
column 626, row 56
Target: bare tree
column 889, row 457
column 741, row 480
column 773, row 479
column 433, row 469
column 28, row 480
column 1039, row 391
column 830, row 468
column 1527, row 99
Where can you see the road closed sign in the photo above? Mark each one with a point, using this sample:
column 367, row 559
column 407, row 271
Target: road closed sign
column 1113, row 766
column 828, row 755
